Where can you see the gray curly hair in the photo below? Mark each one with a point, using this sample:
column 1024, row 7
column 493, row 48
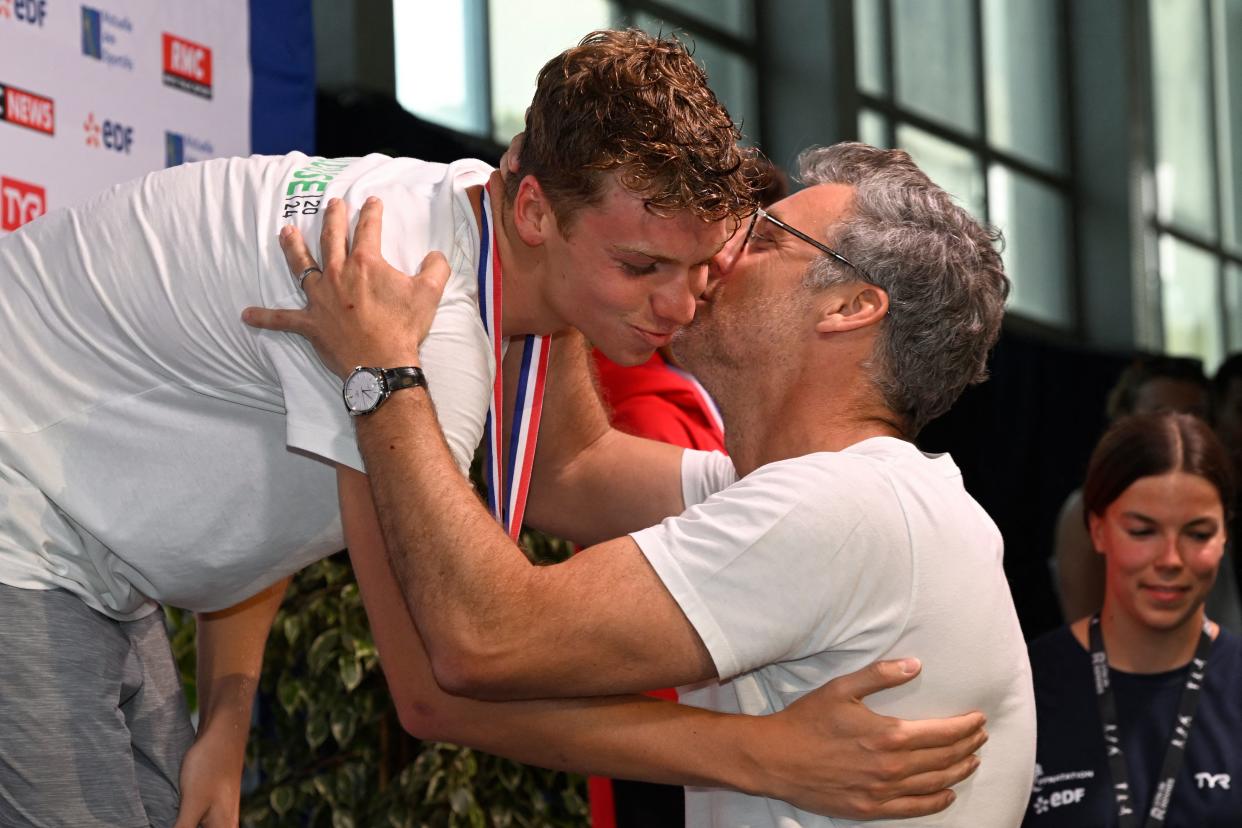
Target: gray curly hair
column 941, row 268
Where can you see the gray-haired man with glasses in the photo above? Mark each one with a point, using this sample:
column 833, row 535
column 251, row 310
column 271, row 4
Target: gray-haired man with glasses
column 832, row 329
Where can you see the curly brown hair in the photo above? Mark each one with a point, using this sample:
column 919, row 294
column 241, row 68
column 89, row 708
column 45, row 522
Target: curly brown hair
column 639, row 105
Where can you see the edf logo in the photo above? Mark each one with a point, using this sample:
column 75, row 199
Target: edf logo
column 110, row 134
column 30, row 11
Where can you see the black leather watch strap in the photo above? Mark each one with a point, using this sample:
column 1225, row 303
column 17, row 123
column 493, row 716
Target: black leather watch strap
column 407, row 377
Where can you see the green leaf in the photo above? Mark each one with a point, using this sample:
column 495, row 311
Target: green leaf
column 288, row 691
column 344, row 725
column 316, row 731
column 281, row 799
column 351, row 672
column 292, row 626
column 461, row 800
column 323, row 651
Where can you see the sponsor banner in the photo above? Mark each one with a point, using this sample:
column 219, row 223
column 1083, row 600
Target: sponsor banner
column 180, row 148
column 97, row 92
column 30, row 12
column 108, row 134
column 20, row 202
column 27, row 109
column 187, row 65
column 107, row 38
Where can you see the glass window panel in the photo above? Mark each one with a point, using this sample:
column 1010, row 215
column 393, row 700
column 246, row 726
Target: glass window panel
column 871, row 50
column 454, row 57
column 734, row 16
column 1233, row 305
column 1024, row 80
column 1033, row 217
column 1229, row 110
column 731, row 76
column 1184, row 168
column 1188, row 300
column 872, row 128
column 954, row 168
column 525, row 37
column 934, row 50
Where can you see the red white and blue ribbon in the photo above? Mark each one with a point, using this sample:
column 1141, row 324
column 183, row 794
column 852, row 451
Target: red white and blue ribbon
column 508, row 483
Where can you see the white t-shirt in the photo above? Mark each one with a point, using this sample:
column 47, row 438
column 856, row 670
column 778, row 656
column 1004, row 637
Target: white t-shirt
column 810, row 568
column 155, row 448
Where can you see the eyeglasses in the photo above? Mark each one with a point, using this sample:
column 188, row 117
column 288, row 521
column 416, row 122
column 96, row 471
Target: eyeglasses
column 819, row 245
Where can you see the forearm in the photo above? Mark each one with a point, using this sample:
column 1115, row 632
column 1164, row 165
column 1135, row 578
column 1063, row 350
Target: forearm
column 633, row 737
column 230, row 657
column 617, row 485
column 454, row 563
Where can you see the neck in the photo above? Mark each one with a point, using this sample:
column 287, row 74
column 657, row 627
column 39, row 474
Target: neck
column 523, row 268
column 769, row 418
column 1134, row 647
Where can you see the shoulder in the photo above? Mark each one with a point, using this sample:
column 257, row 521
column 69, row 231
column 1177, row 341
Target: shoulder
column 1052, row 653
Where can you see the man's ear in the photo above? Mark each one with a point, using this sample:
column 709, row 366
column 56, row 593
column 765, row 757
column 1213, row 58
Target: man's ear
column 532, row 213
column 850, row 306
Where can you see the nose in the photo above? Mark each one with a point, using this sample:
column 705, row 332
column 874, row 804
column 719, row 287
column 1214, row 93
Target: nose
column 674, row 303
column 1170, row 557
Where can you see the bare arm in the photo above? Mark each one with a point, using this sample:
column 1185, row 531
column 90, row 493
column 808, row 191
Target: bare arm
column 230, row 657
column 826, row 753
column 590, row 481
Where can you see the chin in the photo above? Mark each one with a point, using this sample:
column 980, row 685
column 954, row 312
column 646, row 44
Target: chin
column 627, row 356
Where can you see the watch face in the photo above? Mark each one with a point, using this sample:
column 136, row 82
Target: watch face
column 362, row 391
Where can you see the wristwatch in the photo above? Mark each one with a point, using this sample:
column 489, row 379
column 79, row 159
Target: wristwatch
column 367, row 388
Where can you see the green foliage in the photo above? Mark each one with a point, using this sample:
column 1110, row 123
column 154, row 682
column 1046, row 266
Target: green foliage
column 329, row 750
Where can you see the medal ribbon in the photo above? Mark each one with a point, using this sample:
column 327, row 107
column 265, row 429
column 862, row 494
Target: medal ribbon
column 1175, row 753
column 512, row 477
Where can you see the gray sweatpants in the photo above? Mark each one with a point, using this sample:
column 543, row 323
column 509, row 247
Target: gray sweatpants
column 93, row 723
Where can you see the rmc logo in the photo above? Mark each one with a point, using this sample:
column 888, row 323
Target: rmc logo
column 187, row 65
column 20, row 202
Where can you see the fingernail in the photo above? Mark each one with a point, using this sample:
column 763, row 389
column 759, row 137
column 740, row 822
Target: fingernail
column 909, row 666
column 286, row 231
column 372, row 200
column 333, row 201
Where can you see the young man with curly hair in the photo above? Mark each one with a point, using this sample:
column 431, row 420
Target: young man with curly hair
column 167, row 454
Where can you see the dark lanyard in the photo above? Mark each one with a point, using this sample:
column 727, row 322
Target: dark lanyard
column 1174, row 754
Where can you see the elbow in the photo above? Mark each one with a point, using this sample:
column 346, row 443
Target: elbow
column 424, row 721
column 473, row 671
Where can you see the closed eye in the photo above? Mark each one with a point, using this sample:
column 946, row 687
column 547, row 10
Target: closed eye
column 632, row 269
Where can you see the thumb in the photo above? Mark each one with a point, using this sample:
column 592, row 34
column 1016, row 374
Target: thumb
column 878, row 676
column 191, row 815
column 434, row 271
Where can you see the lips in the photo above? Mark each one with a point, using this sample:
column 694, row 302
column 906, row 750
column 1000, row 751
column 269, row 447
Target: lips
column 655, row 339
column 1165, row 593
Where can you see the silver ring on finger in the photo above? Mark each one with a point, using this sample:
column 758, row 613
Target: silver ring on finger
column 307, row 272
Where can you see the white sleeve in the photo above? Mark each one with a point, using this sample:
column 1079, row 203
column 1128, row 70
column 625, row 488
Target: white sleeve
column 703, row 473
column 316, row 421
column 785, row 564
column 454, row 357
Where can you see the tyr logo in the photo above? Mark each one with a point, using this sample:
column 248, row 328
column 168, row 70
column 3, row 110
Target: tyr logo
column 1212, row 781
column 20, row 202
